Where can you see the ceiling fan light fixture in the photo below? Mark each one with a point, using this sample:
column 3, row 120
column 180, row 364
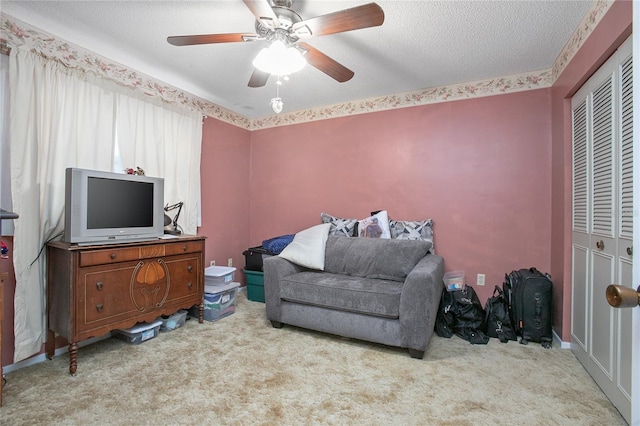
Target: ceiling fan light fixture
column 276, row 105
column 278, row 59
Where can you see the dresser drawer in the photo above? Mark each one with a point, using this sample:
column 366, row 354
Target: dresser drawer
column 183, row 247
column 186, row 279
column 103, row 257
column 103, row 296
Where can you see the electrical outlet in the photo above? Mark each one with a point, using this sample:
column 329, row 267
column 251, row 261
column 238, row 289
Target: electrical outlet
column 212, row 263
column 480, row 280
column 230, row 262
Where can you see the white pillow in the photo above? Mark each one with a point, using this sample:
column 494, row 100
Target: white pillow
column 307, row 247
column 376, row 226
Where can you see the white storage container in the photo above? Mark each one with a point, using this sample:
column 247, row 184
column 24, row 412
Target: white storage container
column 217, row 275
column 139, row 332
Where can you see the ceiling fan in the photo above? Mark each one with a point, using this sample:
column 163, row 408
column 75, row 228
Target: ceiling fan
column 280, row 23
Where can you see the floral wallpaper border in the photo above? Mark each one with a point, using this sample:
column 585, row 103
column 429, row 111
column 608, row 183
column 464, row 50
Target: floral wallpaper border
column 17, row 33
column 592, row 18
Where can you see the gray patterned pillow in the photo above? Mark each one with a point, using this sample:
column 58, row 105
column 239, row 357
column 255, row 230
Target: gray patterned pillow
column 339, row 226
column 413, row 230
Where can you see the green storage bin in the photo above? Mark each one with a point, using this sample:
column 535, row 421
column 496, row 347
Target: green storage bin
column 255, row 285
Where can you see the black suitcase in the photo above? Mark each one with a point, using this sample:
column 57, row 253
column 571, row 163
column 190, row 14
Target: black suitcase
column 529, row 295
column 253, row 258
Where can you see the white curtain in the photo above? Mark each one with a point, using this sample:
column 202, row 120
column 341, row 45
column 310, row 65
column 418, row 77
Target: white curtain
column 58, row 120
column 165, row 143
column 6, row 226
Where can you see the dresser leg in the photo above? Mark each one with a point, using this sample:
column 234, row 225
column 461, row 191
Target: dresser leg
column 73, row 358
column 50, row 344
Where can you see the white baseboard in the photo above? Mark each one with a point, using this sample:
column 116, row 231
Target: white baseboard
column 43, row 357
column 559, row 342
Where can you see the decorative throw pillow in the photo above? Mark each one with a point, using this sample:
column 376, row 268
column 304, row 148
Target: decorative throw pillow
column 308, row 246
column 413, row 230
column 376, row 226
column 339, row 226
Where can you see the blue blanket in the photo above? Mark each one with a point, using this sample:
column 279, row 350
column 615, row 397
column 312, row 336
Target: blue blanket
column 277, row 244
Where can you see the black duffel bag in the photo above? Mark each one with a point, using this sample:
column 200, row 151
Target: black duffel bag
column 497, row 319
column 461, row 313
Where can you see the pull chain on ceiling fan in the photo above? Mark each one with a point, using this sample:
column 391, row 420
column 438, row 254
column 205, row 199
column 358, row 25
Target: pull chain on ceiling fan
column 283, row 28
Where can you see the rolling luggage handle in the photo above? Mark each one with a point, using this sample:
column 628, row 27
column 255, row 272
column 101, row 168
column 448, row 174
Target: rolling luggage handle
column 534, row 270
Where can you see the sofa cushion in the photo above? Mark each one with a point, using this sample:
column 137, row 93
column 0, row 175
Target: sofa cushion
column 340, row 226
column 308, row 247
column 373, row 257
column 342, row 292
column 376, row 226
column 413, row 230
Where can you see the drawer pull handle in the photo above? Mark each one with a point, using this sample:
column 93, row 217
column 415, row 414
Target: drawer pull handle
column 113, row 255
column 190, row 268
column 190, row 284
column 99, row 307
column 184, row 248
column 99, row 285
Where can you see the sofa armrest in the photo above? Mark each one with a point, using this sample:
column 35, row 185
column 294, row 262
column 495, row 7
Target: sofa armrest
column 420, row 300
column 275, row 269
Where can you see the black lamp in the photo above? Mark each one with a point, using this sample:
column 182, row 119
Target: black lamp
column 173, row 229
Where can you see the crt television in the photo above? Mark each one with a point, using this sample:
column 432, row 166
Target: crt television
column 105, row 207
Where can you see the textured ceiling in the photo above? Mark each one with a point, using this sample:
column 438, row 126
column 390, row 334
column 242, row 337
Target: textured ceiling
column 421, row 44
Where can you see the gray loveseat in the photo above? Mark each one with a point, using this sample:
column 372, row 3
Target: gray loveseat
column 380, row 290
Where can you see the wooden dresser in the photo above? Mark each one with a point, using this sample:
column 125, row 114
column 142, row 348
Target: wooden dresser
column 92, row 290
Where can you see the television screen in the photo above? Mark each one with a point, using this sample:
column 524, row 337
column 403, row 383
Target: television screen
column 118, row 203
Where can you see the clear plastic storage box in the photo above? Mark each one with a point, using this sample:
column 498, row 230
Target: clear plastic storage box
column 454, row 280
column 220, row 303
column 139, row 333
column 174, row 321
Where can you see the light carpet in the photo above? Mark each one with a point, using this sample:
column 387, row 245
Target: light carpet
column 240, row 370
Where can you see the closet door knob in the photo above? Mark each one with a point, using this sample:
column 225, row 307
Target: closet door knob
column 630, row 251
column 600, row 245
column 622, row 297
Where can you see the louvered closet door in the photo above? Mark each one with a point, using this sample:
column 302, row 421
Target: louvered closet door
column 603, row 225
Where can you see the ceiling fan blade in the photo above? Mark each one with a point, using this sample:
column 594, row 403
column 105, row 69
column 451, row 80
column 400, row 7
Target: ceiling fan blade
column 365, row 16
column 258, row 78
column 189, row 40
column 325, row 64
column 261, row 9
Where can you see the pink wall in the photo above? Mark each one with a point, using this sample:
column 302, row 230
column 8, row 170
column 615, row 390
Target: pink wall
column 481, row 168
column 612, row 30
column 224, row 175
